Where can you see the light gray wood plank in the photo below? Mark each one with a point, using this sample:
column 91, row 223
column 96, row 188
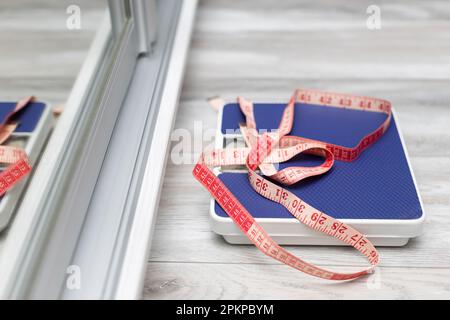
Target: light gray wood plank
column 35, row 41
column 254, row 281
column 54, row 90
column 324, row 9
column 321, row 40
column 39, row 55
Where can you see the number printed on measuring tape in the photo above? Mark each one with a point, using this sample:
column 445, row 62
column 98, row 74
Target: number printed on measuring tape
column 264, row 150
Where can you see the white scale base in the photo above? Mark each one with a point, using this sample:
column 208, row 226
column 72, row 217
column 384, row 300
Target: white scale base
column 291, row 232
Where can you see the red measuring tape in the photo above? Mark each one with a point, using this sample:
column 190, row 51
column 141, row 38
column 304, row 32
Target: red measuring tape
column 15, row 157
column 275, row 147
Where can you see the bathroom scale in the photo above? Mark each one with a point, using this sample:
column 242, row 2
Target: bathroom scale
column 35, row 123
column 376, row 194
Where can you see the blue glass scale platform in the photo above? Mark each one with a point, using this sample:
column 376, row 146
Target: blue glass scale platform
column 35, row 124
column 377, row 193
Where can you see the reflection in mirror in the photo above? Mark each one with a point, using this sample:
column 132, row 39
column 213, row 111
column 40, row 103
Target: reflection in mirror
column 42, row 47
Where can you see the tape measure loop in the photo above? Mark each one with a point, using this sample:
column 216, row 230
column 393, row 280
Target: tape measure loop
column 266, row 149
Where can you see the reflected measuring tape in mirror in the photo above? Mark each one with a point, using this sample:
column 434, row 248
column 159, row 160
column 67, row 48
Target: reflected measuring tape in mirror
column 275, row 147
column 15, row 157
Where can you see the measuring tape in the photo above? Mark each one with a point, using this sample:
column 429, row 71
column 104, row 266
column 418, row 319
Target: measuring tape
column 265, row 150
column 15, row 157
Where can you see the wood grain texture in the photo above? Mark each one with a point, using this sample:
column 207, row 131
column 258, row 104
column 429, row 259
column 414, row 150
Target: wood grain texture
column 265, row 49
column 244, row 281
column 38, row 54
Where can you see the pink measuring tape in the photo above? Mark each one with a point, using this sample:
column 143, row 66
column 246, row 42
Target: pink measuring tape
column 275, row 147
column 15, row 157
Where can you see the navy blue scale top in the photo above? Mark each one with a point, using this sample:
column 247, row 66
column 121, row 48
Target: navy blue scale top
column 378, row 185
column 28, row 117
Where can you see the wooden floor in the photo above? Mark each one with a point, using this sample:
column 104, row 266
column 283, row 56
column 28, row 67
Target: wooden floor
column 38, row 54
column 265, row 49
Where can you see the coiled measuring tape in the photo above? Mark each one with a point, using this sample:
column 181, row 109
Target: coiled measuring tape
column 265, row 150
column 15, row 157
